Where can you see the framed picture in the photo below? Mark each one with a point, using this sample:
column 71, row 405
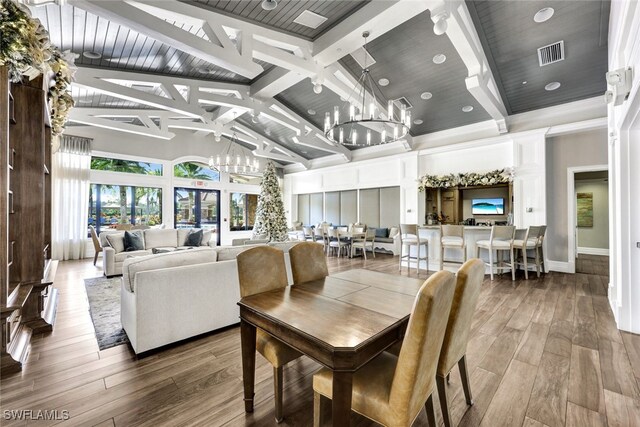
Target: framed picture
column 584, row 204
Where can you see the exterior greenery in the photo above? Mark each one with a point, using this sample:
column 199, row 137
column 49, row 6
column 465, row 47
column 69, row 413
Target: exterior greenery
column 192, row 170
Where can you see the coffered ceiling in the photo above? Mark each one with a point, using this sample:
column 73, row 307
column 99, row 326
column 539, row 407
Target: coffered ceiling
column 234, row 62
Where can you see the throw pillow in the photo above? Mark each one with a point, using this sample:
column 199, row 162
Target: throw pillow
column 194, row 238
column 133, row 242
column 116, row 241
column 382, row 232
column 393, row 231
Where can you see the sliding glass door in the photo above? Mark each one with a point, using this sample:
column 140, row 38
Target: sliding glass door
column 196, row 208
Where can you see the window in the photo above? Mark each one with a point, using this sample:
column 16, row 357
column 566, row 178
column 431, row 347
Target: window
column 126, row 166
column 194, row 170
column 110, row 205
column 243, row 211
column 238, row 178
column 198, row 209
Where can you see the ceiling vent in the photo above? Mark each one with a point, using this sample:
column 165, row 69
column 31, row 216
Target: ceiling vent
column 551, row 53
column 402, row 101
column 363, row 58
column 310, row 19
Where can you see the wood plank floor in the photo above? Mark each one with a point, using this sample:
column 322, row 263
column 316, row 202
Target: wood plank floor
column 542, row 352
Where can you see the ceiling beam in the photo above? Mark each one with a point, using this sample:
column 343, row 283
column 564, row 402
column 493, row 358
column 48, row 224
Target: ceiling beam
column 97, row 117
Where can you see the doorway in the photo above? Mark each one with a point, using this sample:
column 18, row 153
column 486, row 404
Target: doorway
column 195, row 208
column 589, row 220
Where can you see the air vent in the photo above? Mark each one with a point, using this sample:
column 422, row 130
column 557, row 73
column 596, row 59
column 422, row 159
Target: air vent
column 551, row 53
column 363, row 58
column 310, row 19
column 402, row 101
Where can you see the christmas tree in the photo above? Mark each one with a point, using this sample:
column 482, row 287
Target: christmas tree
column 270, row 217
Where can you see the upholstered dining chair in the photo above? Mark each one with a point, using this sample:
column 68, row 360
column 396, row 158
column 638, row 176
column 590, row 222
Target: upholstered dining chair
column 529, row 242
column 271, row 275
column 96, row 243
column 308, row 233
column 336, row 241
column 308, row 262
column 362, row 240
column 454, row 347
column 392, row 390
column 500, row 240
column 452, row 237
column 409, row 237
column 320, row 237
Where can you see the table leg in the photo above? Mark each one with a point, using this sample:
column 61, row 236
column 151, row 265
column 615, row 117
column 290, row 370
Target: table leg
column 248, row 340
column 341, row 402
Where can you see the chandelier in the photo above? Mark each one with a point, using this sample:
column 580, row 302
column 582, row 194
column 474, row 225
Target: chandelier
column 234, row 159
column 359, row 122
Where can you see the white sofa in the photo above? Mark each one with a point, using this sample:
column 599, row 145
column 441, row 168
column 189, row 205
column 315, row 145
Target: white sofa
column 389, row 244
column 169, row 297
column 160, row 239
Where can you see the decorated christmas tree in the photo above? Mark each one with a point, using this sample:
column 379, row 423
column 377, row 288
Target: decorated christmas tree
column 270, row 217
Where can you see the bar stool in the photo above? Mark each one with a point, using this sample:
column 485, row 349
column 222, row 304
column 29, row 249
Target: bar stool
column 528, row 242
column 452, row 237
column 539, row 247
column 409, row 237
column 501, row 239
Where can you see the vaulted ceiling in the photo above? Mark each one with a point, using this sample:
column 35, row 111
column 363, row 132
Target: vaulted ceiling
column 237, row 66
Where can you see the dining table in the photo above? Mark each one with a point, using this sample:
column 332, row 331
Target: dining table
column 341, row 321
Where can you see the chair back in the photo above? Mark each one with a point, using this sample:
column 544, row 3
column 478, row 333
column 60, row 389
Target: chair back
column 468, row 284
column 370, row 235
column 358, row 230
column 532, row 233
column 407, row 230
column 308, row 262
column 502, row 232
column 94, row 239
column 342, row 230
column 452, row 231
column 261, row 269
column 318, row 233
column 541, row 232
column 308, row 232
column 415, row 373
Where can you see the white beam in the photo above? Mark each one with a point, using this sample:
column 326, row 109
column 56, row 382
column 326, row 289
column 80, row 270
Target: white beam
column 90, row 117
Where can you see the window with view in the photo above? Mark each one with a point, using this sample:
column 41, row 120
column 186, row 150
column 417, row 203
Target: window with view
column 113, row 205
column 194, row 170
column 243, row 211
column 126, row 166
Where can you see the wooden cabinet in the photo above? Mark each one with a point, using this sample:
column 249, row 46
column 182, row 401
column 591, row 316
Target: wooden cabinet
column 27, row 298
column 451, row 205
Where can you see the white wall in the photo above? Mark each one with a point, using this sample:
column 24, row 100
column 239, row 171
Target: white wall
column 595, row 240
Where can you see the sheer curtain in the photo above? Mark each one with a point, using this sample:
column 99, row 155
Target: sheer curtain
column 70, row 197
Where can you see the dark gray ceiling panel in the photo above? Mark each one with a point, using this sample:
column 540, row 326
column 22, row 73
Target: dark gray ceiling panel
column 511, row 38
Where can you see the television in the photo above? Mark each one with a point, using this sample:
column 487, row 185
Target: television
column 487, row 206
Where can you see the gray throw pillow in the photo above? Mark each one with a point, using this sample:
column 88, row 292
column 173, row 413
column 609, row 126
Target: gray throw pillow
column 133, row 241
column 194, row 238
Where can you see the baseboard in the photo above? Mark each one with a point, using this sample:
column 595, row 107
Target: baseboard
column 560, row 266
column 593, row 251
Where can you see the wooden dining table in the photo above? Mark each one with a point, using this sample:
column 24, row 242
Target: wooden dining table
column 342, row 321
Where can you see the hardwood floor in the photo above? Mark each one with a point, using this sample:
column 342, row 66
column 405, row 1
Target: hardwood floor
column 541, row 352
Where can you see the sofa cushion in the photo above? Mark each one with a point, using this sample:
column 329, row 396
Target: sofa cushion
column 194, row 238
column 157, row 238
column 382, row 233
column 384, row 240
column 103, row 236
column 121, row 256
column 116, row 241
column 160, row 261
column 133, row 241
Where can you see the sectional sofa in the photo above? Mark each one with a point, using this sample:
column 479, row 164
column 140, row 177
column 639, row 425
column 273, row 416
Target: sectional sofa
column 169, row 297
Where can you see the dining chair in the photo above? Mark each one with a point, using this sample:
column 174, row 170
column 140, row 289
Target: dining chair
column 262, row 269
column 454, row 347
column 391, row 390
column 452, row 237
column 308, row 262
column 500, row 240
column 96, row 243
column 539, row 248
column 409, row 237
column 319, row 237
column 335, row 240
column 529, row 242
column 308, row 233
column 359, row 241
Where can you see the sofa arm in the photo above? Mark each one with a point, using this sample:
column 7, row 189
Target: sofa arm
column 108, row 261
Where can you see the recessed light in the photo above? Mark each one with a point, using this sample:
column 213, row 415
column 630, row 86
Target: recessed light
column 426, row 95
column 311, row 112
column 417, row 122
column 543, row 14
column 467, row 108
column 524, row 82
column 439, row 58
column 206, row 70
column 269, row 4
column 90, row 54
column 552, row 86
column 383, row 82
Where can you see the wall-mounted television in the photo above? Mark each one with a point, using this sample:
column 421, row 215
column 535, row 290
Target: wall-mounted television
column 487, row 206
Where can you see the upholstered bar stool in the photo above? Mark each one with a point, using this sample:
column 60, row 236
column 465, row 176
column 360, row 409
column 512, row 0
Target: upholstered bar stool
column 262, row 269
column 501, row 240
column 409, row 237
column 529, row 242
column 452, row 237
column 392, row 390
column 308, row 262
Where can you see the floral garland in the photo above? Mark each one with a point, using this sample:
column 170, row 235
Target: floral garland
column 498, row 176
column 27, row 51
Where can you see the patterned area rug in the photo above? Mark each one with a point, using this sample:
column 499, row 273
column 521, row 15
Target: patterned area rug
column 104, row 306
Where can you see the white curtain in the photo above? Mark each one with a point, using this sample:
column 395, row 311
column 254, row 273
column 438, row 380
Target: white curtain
column 70, row 197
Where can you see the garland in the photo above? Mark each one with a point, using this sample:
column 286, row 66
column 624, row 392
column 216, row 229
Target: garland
column 497, row 176
column 27, row 51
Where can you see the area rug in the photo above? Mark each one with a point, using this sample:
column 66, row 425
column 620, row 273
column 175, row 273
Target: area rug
column 104, row 306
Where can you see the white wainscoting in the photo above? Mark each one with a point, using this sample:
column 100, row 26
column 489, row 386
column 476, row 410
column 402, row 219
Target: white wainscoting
column 593, row 251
